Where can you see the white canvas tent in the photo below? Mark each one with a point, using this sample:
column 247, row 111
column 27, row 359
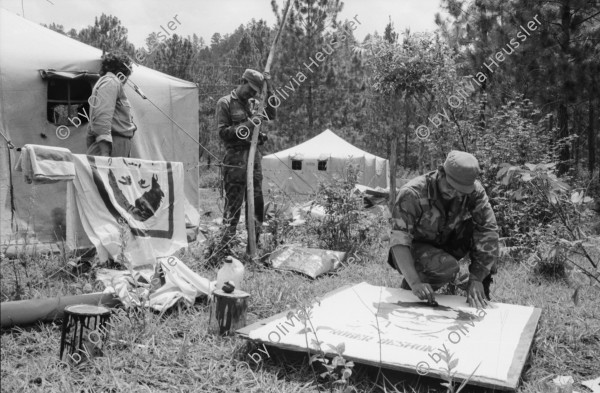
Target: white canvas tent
column 42, row 71
column 300, row 168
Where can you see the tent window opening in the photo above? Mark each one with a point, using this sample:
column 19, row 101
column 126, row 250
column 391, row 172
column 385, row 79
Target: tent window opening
column 322, row 165
column 68, row 100
column 297, row 165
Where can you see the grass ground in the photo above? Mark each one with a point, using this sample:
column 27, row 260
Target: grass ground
column 148, row 352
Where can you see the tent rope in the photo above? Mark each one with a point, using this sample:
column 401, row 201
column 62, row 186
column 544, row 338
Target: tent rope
column 137, row 90
column 219, row 161
column 284, row 192
column 8, row 142
column 291, row 170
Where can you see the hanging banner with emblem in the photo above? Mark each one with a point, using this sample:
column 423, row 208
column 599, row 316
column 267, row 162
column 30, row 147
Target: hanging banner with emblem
column 131, row 205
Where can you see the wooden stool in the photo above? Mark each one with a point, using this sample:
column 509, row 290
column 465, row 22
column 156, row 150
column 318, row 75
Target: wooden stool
column 227, row 312
column 84, row 329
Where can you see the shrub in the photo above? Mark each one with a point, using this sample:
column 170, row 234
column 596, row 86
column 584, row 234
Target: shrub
column 346, row 225
column 277, row 228
column 559, row 236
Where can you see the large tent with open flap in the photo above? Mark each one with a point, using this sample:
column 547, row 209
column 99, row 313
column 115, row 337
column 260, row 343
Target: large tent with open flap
column 324, row 157
column 45, row 79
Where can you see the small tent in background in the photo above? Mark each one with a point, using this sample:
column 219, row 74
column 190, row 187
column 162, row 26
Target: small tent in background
column 46, row 79
column 300, row 168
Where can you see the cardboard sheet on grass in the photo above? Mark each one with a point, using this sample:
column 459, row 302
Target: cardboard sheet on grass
column 393, row 325
column 311, row 261
column 145, row 198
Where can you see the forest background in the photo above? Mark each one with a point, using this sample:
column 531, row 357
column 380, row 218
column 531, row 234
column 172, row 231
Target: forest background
column 529, row 112
column 540, row 102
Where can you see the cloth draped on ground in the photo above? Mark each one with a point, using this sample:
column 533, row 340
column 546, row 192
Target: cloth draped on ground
column 45, row 164
column 135, row 290
column 130, row 206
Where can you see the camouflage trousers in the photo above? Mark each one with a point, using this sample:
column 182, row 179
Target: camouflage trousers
column 438, row 265
column 234, row 183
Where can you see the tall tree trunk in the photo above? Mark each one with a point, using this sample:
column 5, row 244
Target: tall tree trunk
column 563, row 112
column 591, row 138
column 311, row 47
column 406, row 123
column 420, row 164
column 563, row 132
column 393, row 159
column 309, row 109
column 576, row 149
column 481, row 123
column 550, row 124
column 388, row 146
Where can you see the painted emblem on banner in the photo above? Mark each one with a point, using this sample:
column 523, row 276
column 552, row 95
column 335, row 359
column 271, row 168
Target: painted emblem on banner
column 138, row 194
column 143, row 207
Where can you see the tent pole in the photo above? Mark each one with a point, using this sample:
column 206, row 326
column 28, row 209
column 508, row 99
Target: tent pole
column 256, row 131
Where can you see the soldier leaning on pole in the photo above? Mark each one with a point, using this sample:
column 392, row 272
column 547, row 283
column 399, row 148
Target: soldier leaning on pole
column 236, row 117
column 438, row 218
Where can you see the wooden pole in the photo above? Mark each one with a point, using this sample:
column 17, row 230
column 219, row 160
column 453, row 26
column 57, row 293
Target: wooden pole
column 26, row 312
column 227, row 312
column 392, row 161
column 255, row 132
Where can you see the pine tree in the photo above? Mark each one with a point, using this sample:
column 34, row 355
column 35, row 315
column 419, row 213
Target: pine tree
column 554, row 66
column 304, row 37
column 107, row 34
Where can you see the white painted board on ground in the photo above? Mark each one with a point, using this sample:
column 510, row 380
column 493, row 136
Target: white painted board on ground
column 393, row 326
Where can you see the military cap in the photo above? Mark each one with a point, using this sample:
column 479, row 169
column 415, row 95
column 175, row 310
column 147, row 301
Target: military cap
column 254, row 78
column 461, row 170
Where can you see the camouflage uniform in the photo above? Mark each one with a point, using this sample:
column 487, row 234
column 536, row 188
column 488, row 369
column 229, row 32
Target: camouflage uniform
column 439, row 235
column 231, row 111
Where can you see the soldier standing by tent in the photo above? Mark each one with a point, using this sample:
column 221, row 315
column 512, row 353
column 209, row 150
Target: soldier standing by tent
column 111, row 123
column 438, row 218
column 236, row 118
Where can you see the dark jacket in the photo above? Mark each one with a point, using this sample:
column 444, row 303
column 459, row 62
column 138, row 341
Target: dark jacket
column 231, row 112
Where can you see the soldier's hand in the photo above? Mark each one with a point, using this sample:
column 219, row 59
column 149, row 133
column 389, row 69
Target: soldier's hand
column 476, row 294
column 262, row 138
column 424, row 292
column 269, row 81
column 244, row 130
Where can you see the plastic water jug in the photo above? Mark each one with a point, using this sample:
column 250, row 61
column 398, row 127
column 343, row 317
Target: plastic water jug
column 232, row 270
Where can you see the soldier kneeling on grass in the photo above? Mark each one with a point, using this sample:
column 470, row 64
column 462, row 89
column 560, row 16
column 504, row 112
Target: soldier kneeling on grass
column 438, row 218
